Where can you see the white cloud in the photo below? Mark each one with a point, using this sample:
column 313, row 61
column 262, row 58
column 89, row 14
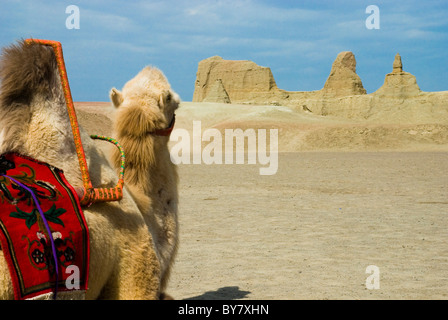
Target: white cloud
column 110, row 22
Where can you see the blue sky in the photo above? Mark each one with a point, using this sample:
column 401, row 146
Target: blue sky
column 298, row 40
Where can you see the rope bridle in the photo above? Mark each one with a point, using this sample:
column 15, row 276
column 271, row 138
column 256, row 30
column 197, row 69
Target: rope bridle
column 90, row 194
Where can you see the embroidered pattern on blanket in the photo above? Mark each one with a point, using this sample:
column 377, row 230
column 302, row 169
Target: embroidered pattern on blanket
column 24, row 238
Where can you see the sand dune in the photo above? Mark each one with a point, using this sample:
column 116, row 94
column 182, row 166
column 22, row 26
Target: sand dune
column 304, row 131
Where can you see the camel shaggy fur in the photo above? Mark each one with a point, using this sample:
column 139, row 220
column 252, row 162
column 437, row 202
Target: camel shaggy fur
column 34, row 122
column 145, row 106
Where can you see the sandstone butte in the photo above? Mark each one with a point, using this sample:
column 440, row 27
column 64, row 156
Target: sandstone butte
column 245, row 82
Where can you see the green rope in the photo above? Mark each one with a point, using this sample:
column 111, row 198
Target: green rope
column 120, row 148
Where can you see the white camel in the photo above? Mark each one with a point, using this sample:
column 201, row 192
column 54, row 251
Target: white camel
column 143, row 121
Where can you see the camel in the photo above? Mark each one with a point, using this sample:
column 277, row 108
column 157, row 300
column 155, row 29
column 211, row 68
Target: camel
column 34, row 122
column 143, row 119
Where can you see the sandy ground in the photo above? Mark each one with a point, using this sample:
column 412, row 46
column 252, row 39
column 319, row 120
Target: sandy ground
column 311, row 230
column 346, row 195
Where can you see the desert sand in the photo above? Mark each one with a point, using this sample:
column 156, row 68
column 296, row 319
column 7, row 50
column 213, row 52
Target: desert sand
column 347, row 194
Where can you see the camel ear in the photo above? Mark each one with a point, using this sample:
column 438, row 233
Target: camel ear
column 116, row 97
column 165, row 98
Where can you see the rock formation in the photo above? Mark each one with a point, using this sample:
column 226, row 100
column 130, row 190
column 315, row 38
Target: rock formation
column 217, row 93
column 343, row 80
column 399, row 84
column 240, row 79
column 397, row 66
column 246, row 82
column 343, row 94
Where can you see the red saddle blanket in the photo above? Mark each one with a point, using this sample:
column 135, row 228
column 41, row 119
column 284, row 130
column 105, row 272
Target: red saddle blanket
column 24, row 235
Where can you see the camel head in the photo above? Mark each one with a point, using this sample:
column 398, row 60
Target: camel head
column 146, row 104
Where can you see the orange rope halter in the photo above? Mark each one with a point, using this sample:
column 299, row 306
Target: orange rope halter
column 90, row 194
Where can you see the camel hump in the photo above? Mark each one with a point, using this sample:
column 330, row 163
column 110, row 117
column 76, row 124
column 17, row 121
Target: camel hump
column 25, row 71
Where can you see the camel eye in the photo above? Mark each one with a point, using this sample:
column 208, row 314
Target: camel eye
column 168, row 97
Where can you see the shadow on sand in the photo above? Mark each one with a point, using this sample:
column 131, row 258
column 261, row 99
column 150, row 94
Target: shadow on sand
column 225, row 293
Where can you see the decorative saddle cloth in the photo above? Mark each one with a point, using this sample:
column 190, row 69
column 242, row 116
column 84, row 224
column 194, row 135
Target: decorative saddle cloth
column 43, row 233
